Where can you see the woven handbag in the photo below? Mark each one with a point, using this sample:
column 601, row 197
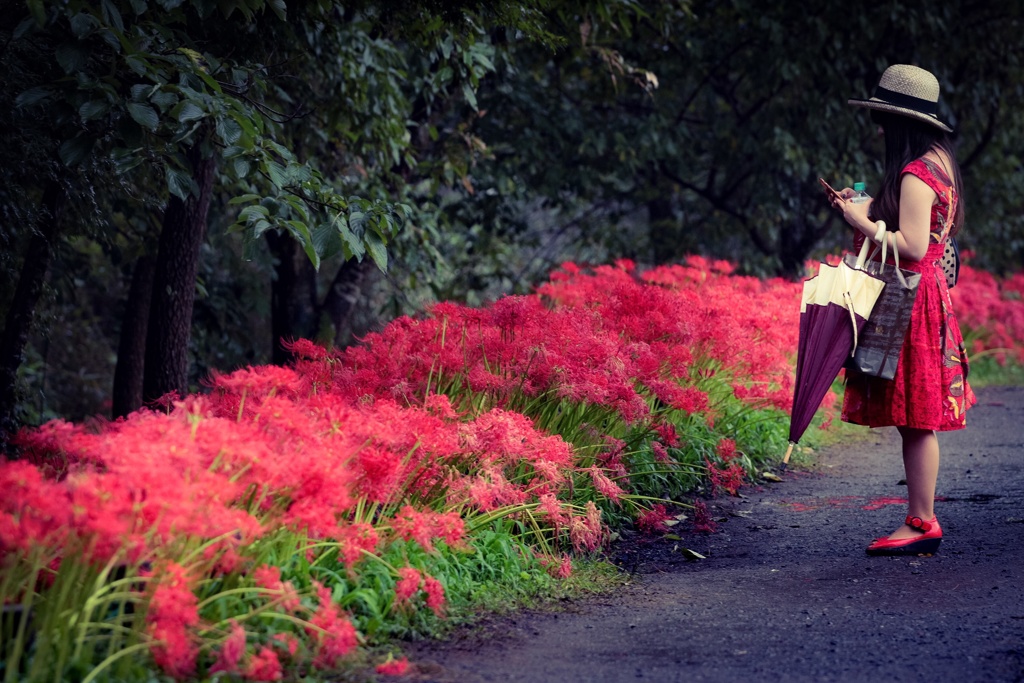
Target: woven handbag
column 881, row 341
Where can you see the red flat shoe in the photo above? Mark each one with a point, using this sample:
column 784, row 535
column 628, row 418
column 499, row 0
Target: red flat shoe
column 925, row 544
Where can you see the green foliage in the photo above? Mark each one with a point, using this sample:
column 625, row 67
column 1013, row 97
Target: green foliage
column 701, row 127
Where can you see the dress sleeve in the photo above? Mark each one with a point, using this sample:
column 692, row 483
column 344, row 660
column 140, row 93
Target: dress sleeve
column 934, row 177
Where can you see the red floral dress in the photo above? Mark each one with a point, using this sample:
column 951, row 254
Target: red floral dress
column 930, row 389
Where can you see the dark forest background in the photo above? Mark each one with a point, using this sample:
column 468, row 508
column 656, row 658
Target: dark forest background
column 185, row 183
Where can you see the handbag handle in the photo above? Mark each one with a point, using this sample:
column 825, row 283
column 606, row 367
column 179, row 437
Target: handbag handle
column 864, row 257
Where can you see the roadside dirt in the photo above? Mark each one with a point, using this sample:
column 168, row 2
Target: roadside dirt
column 786, row 591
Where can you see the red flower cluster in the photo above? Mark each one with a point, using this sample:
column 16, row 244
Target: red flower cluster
column 427, row 412
column 991, row 312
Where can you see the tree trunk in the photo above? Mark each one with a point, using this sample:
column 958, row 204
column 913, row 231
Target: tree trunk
column 174, row 285
column 18, row 321
column 341, row 298
column 664, row 231
column 131, row 350
column 293, row 296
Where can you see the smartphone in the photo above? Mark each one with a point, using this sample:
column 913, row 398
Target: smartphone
column 831, row 190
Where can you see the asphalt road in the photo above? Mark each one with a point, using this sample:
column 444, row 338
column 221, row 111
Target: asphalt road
column 787, row 593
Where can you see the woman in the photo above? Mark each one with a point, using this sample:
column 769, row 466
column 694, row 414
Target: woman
column 920, row 203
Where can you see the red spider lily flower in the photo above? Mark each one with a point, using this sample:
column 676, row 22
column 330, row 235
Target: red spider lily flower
column 726, row 449
column 355, row 541
column 334, row 634
column 564, row 570
column 423, row 527
column 408, row 584
column 586, row 531
column 33, row 510
column 702, row 519
column 264, row 666
column 223, row 558
column 667, row 432
column 393, row 667
column 652, row 521
column 171, row 616
column 435, row 594
column 231, row 650
column 287, row 641
column 304, row 348
column 269, row 577
column 605, row 486
column 660, row 452
column 380, row 471
column 730, row 479
column 552, row 512
column 441, row 406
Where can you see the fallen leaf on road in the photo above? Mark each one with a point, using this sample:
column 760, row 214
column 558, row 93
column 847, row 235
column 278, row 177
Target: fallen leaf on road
column 770, row 476
column 692, row 554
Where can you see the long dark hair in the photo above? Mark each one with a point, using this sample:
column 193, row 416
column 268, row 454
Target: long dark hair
column 907, row 139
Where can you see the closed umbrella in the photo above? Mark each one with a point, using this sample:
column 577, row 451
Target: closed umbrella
column 835, row 305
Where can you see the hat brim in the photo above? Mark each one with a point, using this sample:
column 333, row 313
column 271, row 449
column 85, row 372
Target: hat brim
column 881, row 105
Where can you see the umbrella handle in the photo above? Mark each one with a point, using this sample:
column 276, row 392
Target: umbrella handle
column 848, row 299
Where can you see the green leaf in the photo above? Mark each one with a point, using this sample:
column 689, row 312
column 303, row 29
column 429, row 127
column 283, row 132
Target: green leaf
column 357, row 221
column 243, row 198
column 112, row 15
column 210, row 82
column 691, row 555
column 141, row 91
column 170, row 4
column 72, row 152
column 279, row 8
column 228, row 130
column 470, row 95
column 325, row 240
column 81, row 25
column 378, row 252
column 277, row 174
column 138, row 6
column 245, row 123
column 164, row 99
column 144, row 115
column 137, row 64
column 71, row 57
column 125, row 160
column 190, row 112
column 242, row 166
column 31, row 96
column 351, row 246
column 179, row 183
column 23, row 29
column 93, row 109
column 301, row 231
column 38, row 11
column 253, row 212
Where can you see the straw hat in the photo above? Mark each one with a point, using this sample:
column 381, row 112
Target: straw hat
column 907, row 90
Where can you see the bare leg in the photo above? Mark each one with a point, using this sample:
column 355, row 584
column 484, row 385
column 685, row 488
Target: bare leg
column 921, row 464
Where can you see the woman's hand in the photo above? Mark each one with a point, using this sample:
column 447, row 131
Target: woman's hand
column 856, row 214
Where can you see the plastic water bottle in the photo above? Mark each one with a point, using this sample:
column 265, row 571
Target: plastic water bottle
column 859, row 195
